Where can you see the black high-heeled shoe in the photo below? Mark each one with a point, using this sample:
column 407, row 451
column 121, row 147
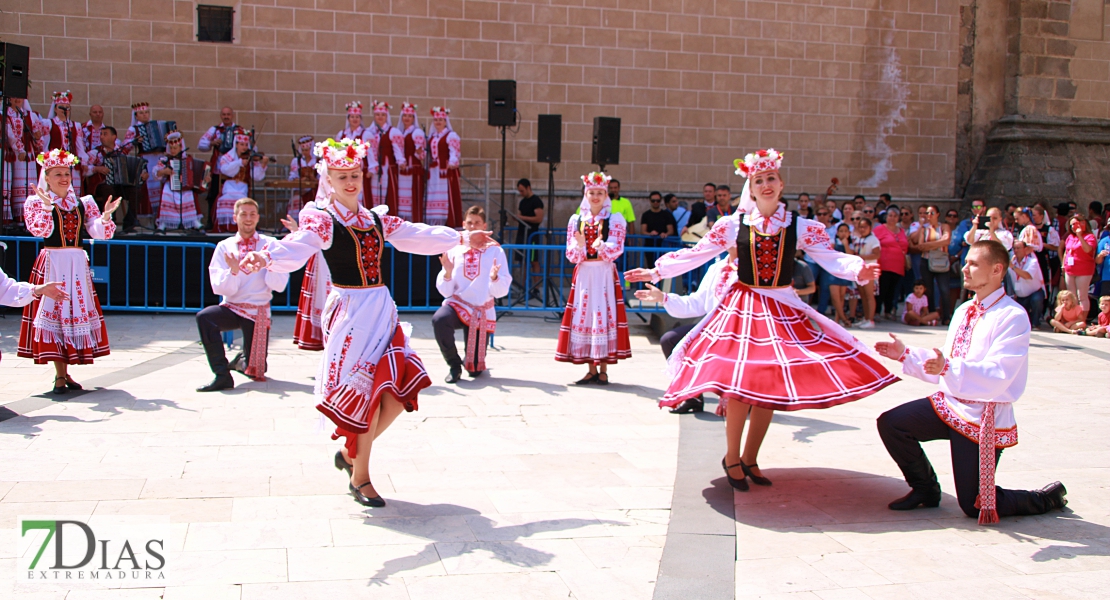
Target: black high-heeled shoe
column 588, row 379
column 341, row 463
column 363, row 499
column 60, row 389
column 601, row 381
column 73, row 385
column 738, row 484
column 756, row 479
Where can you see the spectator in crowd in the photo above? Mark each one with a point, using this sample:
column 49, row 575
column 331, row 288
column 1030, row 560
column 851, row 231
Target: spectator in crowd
column 1028, row 282
column 881, row 205
column 866, row 246
column 1104, row 264
column 990, row 228
column 1070, row 317
column 1026, row 231
column 835, row 213
column 620, row 204
column 656, row 222
column 699, row 208
column 1102, row 328
column 893, row 246
column 804, row 209
column 858, row 201
column 1063, row 211
column 931, row 243
column 958, row 246
column 723, row 206
column 848, row 209
column 916, row 311
column 824, row 217
column 804, row 283
column 1050, row 244
column 838, row 288
column 1079, row 260
column 530, row 211
column 681, row 214
column 1094, row 214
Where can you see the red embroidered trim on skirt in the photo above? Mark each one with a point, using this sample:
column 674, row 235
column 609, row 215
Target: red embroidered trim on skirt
column 566, row 352
column 765, row 353
column 351, row 406
column 43, row 347
column 307, row 334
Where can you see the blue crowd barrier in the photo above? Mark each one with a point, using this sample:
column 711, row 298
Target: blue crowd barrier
column 172, row 276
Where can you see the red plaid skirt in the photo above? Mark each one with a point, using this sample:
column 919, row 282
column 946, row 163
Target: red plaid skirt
column 766, row 353
column 307, row 331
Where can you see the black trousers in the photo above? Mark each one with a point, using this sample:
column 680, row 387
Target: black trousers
column 888, row 290
column 212, row 322
column 671, row 339
column 902, row 430
column 444, row 323
column 938, row 301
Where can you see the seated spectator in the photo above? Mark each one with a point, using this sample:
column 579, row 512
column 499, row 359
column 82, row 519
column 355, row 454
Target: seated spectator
column 804, row 284
column 1028, row 282
column 681, row 214
column 848, row 210
column 1102, row 329
column 656, row 222
column 917, row 307
column 835, row 213
column 1069, row 315
column 722, row 208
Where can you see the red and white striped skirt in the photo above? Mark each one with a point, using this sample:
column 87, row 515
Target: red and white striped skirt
column 71, row 331
column 766, row 353
column 595, row 327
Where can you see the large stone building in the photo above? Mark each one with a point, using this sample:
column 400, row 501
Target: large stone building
column 904, row 96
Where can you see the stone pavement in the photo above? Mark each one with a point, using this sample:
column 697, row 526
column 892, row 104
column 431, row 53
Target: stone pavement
column 519, row 486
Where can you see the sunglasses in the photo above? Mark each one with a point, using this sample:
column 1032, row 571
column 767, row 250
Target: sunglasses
column 952, row 216
column 656, row 200
column 822, row 213
column 868, row 211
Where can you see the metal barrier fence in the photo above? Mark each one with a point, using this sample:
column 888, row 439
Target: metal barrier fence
column 172, row 277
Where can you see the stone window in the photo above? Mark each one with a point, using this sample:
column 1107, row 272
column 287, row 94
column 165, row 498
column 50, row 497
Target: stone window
column 215, row 23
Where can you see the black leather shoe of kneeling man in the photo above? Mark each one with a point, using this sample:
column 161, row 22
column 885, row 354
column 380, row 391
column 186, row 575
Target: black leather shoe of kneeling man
column 916, row 498
column 1056, row 494
column 221, row 382
column 455, row 375
column 689, row 405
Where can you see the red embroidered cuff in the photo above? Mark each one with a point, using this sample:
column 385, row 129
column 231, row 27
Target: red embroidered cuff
column 269, row 259
column 464, row 238
column 944, row 371
column 905, row 355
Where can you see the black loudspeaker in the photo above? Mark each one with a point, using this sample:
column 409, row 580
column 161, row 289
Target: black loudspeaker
column 502, row 102
column 549, row 139
column 16, row 60
column 607, row 141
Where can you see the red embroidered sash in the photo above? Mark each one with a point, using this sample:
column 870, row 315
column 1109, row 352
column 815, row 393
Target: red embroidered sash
column 260, row 314
column 477, row 332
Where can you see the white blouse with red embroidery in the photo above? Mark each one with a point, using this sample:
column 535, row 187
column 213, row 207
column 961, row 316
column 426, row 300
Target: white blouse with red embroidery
column 609, row 250
column 40, row 222
column 244, row 288
column 716, row 282
column 470, row 280
column 15, row 293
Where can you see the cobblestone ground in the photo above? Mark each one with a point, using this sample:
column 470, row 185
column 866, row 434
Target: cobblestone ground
column 517, row 485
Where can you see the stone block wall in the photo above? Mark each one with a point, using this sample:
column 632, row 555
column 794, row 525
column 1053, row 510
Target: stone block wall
column 862, row 90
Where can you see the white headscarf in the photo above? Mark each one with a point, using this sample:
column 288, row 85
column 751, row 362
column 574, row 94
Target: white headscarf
column 586, row 215
column 68, row 202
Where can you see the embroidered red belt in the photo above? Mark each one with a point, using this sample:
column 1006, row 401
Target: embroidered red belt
column 477, row 334
column 260, row 314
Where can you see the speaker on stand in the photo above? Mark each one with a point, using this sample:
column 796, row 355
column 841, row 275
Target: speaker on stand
column 549, row 149
column 13, row 84
column 607, row 142
column 502, row 114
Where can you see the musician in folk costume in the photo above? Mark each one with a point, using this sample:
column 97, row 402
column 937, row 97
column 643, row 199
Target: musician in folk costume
column 471, row 282
column 716, row 282
column 106, row 166
column 354, row 130
column 218, row 140
column 594, row 330
column 302, row 168
column 308, row 333
column 90, row 134
column 444, row 205
column 150, row 150
column 245, row 302
column 410, row 182
column 235, row 167
column 66, row 134
column 70, row 331
column 758, row 349
column 25, row 134
column 368, row 374
column 387, row 152
column 90, row 131
column 981, row 374
column 176, row 170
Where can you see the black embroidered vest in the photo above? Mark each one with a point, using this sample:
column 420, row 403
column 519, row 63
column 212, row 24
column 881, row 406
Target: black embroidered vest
column 764, row 261
column 355, row 255
column 591, row 232
column 69, row 227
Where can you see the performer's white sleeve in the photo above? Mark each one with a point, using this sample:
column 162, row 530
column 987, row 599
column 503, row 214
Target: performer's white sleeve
column 258, row 171
column 694, row 304
column 418, row 238
column 79, row 145
column 292, row 251
column 39, row 221
column 500, row 287
column 985, row 380
column 15, row 293
column 813, row 239
column 229, row 165
column 398, row 140
column 575, row 253
column 223, row 282
column 719, row 239
column 276, row 281
column 370, row 163
column 613, row 246
column 97, row 228
column 446, row 287
column 454, row 150
column 205, row 143
column 419, row 140
column 914, row 364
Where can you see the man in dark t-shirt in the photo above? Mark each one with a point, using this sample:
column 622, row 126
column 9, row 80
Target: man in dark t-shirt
column 530, row 211
column 656, row 222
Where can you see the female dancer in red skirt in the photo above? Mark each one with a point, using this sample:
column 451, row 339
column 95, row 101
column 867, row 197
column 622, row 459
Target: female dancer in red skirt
column 69, row 331
column 369, row 375
column 594, row 329
column 758, row 350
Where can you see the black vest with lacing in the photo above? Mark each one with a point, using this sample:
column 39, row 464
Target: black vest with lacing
column 591, row 252
column 764, row 261
column 69, row 227
column 355, row 255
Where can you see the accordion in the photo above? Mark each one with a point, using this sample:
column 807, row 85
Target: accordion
column 188, row 174
column 153, row 135
column 124, row 170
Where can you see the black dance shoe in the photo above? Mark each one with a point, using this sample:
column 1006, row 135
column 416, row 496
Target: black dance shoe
column 588, row 379
column 59, row 389
column 738, row 484
column 914, row 499
column 73, row 385
column 1056, row 494
column 238, row 364
column 756, row 479
column 601, row 381
column 221, row 382
column 341, row 463
column 475, row 374
column 689, row 405
column 455, row 375
column 363, row 499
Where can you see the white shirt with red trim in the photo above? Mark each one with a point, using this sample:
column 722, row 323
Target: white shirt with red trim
column 244, row 288
column 470, row 280
column 716, row 282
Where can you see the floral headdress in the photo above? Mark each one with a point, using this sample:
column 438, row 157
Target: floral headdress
column 138, row 105
column 241, row 135
column 65, row 97
column 57, row 158
column 381, row 107
column 305, row 139
column 344, row 154
column 407, row 108
column 439, row 111
column 354, row 108
column 759, row 161
column 596, row 181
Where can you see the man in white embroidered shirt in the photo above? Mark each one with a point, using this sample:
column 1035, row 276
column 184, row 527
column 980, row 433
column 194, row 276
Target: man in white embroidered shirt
column 245, row 304
column 471, row 282
column 980, row 377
